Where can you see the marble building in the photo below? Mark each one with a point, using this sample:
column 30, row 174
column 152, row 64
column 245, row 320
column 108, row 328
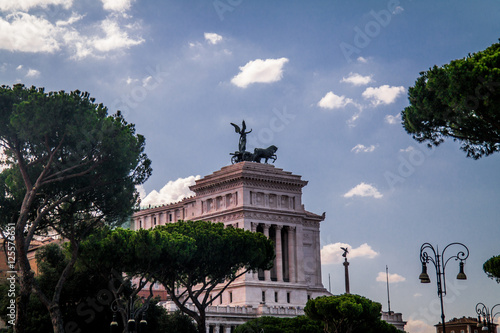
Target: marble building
column 261, row 198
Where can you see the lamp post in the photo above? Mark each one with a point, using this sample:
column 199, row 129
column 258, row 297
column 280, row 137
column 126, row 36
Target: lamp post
column 132, row 310
column 488, row 317
column 429, row 254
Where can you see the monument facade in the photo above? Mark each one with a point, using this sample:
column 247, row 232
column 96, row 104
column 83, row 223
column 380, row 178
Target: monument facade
column 261, row 198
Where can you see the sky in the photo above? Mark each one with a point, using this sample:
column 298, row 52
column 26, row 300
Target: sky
column 324, row 81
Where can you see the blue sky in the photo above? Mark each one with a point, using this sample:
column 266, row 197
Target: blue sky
column 325, row 81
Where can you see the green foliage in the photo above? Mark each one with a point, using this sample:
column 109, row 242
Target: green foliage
column 177, row 322
column 219, row 257
column 63, row 147
column 70, row 167
column 141, row 252
column 39, row 319
column 492, row 268
column 300, row 324
column 346, row 313
column 460, row 100
column 220, row 252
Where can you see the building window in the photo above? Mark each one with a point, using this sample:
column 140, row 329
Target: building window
column 140, row 224
column 154, row 220
column 263, row 297
column 170, row 217
column 220, row 299
column 309, row 297
column 276, row 296
column 230, row 297
column 288, row 297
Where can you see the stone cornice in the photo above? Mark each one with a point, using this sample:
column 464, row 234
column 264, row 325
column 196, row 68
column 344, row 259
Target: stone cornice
column 249, row 174
column 264, row 215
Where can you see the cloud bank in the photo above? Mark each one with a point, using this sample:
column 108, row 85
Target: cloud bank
column 24, row 32
column 173, row 191
column 332, row 253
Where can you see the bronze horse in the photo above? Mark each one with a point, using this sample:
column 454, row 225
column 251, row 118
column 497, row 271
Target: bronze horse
column 266, row 153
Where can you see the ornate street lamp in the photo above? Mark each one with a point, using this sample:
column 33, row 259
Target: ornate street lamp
column 132, row 309
column 429, row 254
column 487, row 322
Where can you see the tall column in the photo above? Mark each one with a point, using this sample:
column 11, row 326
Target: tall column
column 300, row 254
column 267, row 273
column 291, row 254
column 279, row 254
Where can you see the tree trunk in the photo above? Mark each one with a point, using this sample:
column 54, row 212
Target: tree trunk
column 25, row 277
column 56, row 318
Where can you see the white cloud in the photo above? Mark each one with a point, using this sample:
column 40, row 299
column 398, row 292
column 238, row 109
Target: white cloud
column 263, row 71
column 130, row 80
column 173, row 191
column 417, row 295
column 390, row 119
column 19, row 67
column 115, row 38
column 383, row 94
column 332, row 101
column 117, row 5
column 363, row 190
column 27, row 33
column 398, row 10
column 407, row 150
column 393, row 278
column 25, row 5
column 22, row 32
column 332, row 253
column 359, row 148
column 74, row 18
column 213, row 38
column 419, row 326
column 362, row 60
column 33, row 73
column 357, row 79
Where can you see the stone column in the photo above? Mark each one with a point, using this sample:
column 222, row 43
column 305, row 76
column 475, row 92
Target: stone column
column 267, row 273
column 279, row 254
column 291, row 254
column 300, row 254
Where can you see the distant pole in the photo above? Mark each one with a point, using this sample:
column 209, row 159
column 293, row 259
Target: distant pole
column 329, row 284
column 346, row 265
column 388, row 297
